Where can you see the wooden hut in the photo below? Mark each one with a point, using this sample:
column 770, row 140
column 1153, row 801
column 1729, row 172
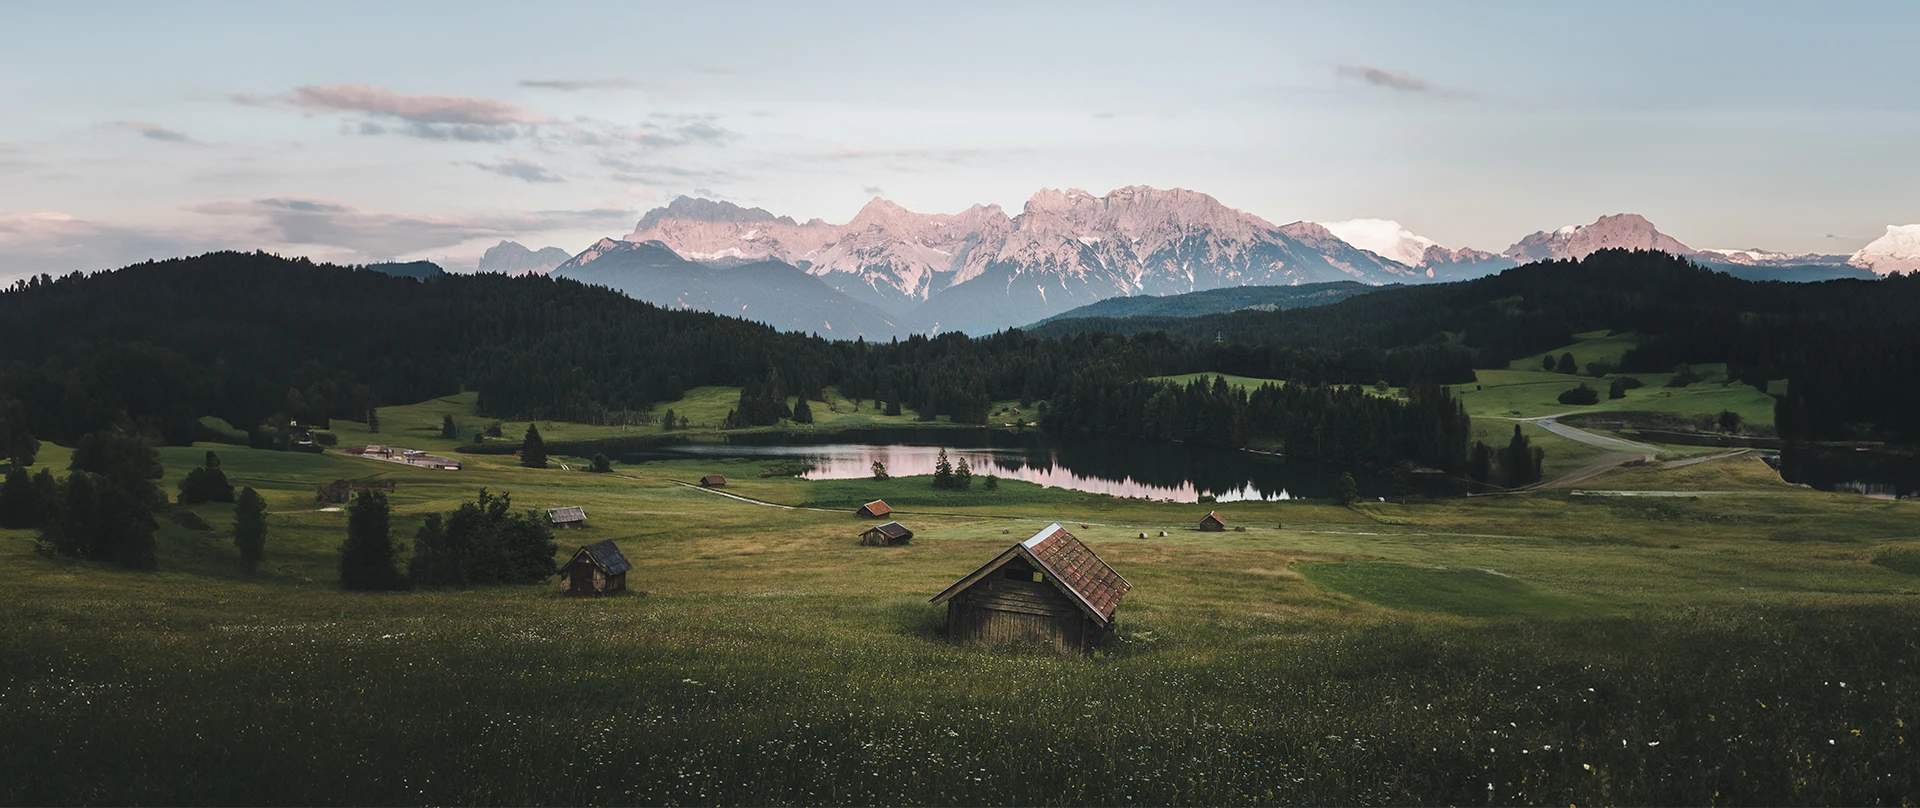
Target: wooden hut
column 1049, row 589
column 886, row 535
column 1212, row 523
column 571, row 516
column 713, row 481
column 876, row 509
column 596, row 569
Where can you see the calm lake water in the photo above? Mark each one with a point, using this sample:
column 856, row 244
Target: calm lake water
column 1875, row 474
column 1122, row 468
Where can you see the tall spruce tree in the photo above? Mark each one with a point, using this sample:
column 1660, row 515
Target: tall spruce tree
column 449, row 429
column 250, row 527
column 368, row 556
column 533, row 450
column 942, row 471
column 373, row 420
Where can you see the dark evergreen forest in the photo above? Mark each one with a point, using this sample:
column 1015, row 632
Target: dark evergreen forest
column 255, row 337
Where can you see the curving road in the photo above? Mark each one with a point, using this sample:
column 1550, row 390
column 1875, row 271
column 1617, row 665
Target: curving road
column 1619, row 451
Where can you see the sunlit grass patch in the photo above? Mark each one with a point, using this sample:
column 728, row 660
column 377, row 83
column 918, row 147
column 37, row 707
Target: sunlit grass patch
column 1466, row 592
column 1898, row 558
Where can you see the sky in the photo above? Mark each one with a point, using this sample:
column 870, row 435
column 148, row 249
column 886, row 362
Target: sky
column 361, row 132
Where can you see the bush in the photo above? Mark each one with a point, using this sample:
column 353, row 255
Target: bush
column 1580, row 395
column 188, row 519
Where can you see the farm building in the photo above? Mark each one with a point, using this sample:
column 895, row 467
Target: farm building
column 713, row 481
column 886, row 535
column 1212, row 523
column 567, row 517
column 597, row 568
column 876, row 509
column 1049, row 589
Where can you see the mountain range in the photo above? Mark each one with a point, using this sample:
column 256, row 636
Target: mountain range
column 890, row 271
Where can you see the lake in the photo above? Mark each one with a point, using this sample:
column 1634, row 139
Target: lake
column 1117, row 467
column 1875, row 474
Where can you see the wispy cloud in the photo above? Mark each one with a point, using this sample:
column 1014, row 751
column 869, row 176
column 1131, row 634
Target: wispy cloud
column 58, row 243
column 574, row 86
column 150, row 131
column 453, row 109
column 432, row 117
column 520, row 170
column 1399, row 82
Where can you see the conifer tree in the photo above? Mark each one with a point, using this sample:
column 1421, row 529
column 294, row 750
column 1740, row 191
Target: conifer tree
column 963, row 475
column 448, row 429
column 802, row 414
column 367, row 558
column 533, row 450
column 373, row 420
column 1348, row 488
column 669, row 422
column 942, row 471
column 250, row 527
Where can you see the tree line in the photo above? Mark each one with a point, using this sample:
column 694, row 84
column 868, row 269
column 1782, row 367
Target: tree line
column 260, row 341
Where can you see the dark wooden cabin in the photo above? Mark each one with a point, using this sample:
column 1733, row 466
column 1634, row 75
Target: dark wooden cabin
column 597, row 569
column 1049, row 590
column 877, row 509
column 572, row 516
column 886, row 535
column 713, row 481
column 1212, row 523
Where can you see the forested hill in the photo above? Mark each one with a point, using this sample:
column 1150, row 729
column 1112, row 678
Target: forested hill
column 1850, row 347
column 1138, row 308
column 251, row 337
column 258, row 340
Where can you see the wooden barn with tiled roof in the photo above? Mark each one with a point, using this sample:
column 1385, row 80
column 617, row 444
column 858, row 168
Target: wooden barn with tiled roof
column 571, row 516
column 598, row 568
column 713, row 481
column 1212, row 523
column 886, row 535
column 877, row 509
column 1050, row 590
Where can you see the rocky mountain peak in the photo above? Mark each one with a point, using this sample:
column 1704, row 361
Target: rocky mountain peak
column 1629, row 231
column 1897, row 251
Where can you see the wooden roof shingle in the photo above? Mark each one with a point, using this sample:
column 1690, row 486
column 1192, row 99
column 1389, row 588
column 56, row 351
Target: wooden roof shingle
column 1095, row 587
column 603, row 554
column 570, row 513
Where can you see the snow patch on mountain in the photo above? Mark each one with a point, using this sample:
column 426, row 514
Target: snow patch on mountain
column 1897, row 251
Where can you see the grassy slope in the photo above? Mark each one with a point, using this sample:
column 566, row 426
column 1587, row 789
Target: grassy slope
column 775, row 660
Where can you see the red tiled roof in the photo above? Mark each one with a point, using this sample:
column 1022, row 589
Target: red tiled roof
column 1072, row 564
column 1068, row 564
column 877, row 508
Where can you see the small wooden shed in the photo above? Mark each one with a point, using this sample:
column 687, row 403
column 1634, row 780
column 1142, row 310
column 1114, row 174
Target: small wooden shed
column 713, row 481
column 1212, row 523
column 597, row 569
column 886, row 535
column 877, row 509
column 1050, row 590
column 571, row 516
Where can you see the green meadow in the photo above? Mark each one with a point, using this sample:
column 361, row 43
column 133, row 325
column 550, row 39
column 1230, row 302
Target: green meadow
column 1734, row 640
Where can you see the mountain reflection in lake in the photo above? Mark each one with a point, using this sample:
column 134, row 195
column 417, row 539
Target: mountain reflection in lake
column 1122, row 468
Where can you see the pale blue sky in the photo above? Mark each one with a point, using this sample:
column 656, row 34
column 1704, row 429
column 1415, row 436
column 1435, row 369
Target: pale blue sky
column 130, row 131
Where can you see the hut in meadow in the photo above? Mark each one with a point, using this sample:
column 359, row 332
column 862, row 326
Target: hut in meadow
column 597, row 569
column 876, row 509
column 886, row 535
column 571, row 516
column 1049, row 590
column 713, row 481
column 1212, row 523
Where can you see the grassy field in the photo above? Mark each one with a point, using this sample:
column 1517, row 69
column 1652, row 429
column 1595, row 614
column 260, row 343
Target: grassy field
column 1753, row 644
column 1592, row 346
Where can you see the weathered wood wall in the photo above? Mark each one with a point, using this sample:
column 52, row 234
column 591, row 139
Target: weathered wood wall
column 998, row 610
